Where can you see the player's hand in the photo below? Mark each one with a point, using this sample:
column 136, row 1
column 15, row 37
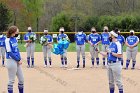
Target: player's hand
column 20, row 63
column 109, row 51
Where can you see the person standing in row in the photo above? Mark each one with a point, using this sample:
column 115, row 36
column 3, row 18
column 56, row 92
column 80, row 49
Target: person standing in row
column 29, row 39
column 132, row 42
column 13, row 60
column 63, row 36
column 105, row 42
column 46, row 40
column 121, row 39
column 2, row 47
column 94, row 39
column 80, row 39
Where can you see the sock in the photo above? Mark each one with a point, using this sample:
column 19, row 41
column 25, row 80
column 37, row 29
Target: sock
column 104, row 61
column 120, row 90
column 62, row 61
column 83, row 61
column 111, row 90
column 133, row 64
column 32, row 61
column 28, row 61
column 50, row 61
column 45, row 60
column 122, row 62
column 10, row 88
column 20, row 88
column 92, row 59
column 65, row 61
column 127, row 63
column 97, row 61
column 3, row 61
column 78, row 61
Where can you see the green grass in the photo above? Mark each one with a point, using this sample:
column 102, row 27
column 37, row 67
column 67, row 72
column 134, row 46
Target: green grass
column 72, row 47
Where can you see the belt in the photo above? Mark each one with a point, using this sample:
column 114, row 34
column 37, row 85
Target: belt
column 112, row 61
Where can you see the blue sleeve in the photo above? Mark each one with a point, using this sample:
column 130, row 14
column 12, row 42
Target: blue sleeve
column 15, row 57
column 58, row 38
column 51, row 39
column 25, row 37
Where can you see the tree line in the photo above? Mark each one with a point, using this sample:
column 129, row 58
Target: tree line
column 71, row 14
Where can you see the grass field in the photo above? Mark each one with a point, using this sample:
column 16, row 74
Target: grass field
column 72, row 48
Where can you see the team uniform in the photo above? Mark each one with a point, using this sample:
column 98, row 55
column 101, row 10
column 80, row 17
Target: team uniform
column 64, row 55
column 80, row 40
column 121, row 39
column 94, row 39
column 114, row 67
column 30, row 47
column 131, row 52
column 2, row 48
column 14, row 69
column 44, row 40
column 105, row 43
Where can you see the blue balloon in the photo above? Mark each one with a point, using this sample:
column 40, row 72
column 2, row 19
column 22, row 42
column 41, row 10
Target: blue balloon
column 59, row 48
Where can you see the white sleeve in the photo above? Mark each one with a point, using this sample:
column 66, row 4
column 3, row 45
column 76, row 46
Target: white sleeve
column 7, row 44
column 119, row 46
column 137, row 38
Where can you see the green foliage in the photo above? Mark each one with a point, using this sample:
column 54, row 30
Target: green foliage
column 60, row 20
column 5, row 17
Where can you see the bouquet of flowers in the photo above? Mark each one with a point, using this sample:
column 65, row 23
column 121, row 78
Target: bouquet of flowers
column 32, row 37
column 44, row 41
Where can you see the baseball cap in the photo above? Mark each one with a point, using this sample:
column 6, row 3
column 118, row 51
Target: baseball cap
column 114, row 34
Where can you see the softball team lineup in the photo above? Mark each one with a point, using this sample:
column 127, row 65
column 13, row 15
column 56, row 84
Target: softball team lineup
column 112, row 43
column 93, row 39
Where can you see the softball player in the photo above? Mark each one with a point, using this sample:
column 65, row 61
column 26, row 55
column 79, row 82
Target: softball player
column 2, row 47
column 46, row 42
column 30, row 38
column 64, row 56
column 132, row 49
column 13, row 60
column 80, row 39
column 121, row 39
column 105, row 42
column 114, row 55
column 94, row 39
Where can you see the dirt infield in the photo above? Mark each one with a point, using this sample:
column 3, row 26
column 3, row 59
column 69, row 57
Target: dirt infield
column 58, row 80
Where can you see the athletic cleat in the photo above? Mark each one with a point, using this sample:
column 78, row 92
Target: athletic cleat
column 66, row 66
column 83, row 66
column 77, row 66
column 126, row 68
column 92, row 66
column 3, row 65
column 50, row 66
column 133, row 68
column 62, row 66
column 32, row 66
column 28, row 66
column 45, row 66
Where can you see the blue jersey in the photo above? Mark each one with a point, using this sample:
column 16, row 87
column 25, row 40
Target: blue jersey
column 131, row 40
column 62, row 36
column 94, row 38
column 121, row 39
column 105, row 38
column 80, row 39
column 48, row 37
column 114, row 47
column 2, row 40
column 12, row 50
column 27, row 35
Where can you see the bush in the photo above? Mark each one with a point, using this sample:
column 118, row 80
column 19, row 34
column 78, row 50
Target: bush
column 5, row 17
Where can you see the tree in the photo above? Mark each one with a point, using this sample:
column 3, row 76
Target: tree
column 5, row 17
